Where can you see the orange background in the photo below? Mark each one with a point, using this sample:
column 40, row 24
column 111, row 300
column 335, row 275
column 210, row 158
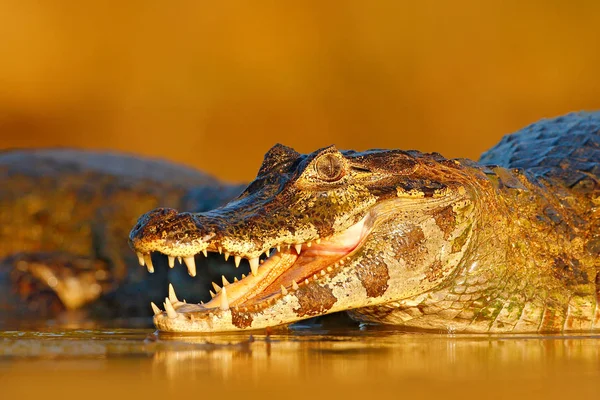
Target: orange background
column 214, row 84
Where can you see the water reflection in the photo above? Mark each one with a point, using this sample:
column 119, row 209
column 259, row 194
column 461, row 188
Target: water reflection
column 371, row 360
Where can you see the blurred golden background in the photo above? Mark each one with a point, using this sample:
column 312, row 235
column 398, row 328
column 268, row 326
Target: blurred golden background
column 215, row 84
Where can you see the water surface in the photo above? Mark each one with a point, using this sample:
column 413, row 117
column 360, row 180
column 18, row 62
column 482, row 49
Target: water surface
column 70, row 361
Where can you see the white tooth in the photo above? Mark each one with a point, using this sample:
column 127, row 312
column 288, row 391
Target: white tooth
column 306, row 281
column 226, row 256
column 224, row 302
column 212, row 294
column 148, row 261
column 191, row 265
column 171, row 262
column 294, row 285
column 243, row 276
column 235, row 279
column 155, row 308
column 205, row 253
column 179, row 260
column 220, row 249
column 172, row 295
column 140, row 257
column 279, row 248
column 283, row 290
column 315, row 277
column 224, row 280
column 171, row 313
column 261, row 262
column 268, row 253
column 237, row 261
column 254, row 265
column 323, row 272
column 308, row 244
column 329, row 269
column 318, row 241
column 341, row 262
column 217, row 288
column 298, row 248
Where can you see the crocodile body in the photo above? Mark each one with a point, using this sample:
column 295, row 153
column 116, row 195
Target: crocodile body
column 508, row 244
column 64, row 220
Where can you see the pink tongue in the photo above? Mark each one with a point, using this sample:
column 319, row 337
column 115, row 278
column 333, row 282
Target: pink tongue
column 317, row 257
column 338, row 245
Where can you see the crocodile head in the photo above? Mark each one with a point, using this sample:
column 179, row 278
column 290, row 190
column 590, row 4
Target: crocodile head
column 324, row 232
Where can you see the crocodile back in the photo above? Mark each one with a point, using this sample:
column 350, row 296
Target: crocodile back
column 564, row 150
column 561, row 159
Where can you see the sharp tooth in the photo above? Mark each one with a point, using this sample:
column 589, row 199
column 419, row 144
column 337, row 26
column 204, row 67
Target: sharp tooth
column 298, row 248
column 308, row 244
column 155, row 308
column 226, row 256
column 243, row 276
column 279, row 248
column 217, row 288
column 224, row 280
column 212, row 294
column 220, row 249
column 254, row 265
column 283, row 290
column 205, row 253
column 172, row 295
column 224, row 302
column 294, row 285
column 148, row 261
column 329, row 269
column 315, row 277
column 179, row 260
column 140, row 257
column 341, row 262
column 171, row 262
column 191, row 265
column 235, row 279
column 237, row 261
column 268, row 253
column 318, row 241
column 323, row 272
column 261, row 262
column 171, row 313
column 306, row 281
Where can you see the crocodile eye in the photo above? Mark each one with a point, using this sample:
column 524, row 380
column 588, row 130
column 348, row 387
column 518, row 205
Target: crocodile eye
column 329, row 167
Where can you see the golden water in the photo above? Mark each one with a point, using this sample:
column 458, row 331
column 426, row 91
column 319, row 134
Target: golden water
column 304, row 362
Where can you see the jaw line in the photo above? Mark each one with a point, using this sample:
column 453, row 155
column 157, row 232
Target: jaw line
column 281, row 269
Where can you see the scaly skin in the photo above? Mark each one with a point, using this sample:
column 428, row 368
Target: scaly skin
column 64, row 218
column 405, row 238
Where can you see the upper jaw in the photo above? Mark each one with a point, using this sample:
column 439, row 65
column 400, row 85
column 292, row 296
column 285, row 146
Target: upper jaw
column 183, row 235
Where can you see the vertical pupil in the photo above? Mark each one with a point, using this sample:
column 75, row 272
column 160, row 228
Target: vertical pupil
column 330, row 167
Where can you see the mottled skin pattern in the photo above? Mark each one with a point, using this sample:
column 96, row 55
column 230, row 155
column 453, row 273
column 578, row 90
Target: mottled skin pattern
column 509, row 244
column 64, row 220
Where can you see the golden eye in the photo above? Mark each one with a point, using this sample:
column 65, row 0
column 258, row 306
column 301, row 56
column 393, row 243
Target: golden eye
column 329, row 167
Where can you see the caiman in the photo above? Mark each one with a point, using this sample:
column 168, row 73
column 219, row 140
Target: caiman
column 508, row 244
column 64, row 220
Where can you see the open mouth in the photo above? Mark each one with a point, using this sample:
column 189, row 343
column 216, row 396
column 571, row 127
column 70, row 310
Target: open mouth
column 280, row 270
